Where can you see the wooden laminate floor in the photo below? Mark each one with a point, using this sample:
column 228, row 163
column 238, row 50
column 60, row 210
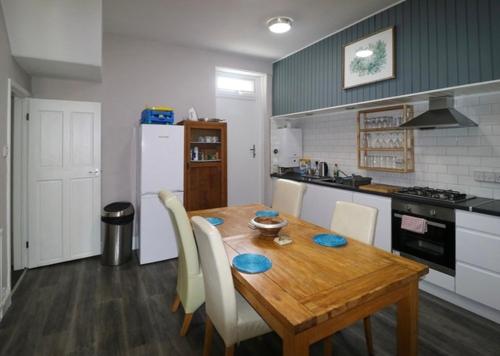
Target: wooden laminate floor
column 83, row 308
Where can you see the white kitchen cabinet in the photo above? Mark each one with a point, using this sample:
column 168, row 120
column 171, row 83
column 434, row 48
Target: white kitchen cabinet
column 319, row 203
column 383, row 231
column 478, row 264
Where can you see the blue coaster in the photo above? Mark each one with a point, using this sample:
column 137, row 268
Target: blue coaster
column 215, row 221
column 267, row 213
column 252, row 263
column 329, row 240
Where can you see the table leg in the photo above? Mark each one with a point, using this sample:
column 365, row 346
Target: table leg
column 295, row 345
column 408, row 322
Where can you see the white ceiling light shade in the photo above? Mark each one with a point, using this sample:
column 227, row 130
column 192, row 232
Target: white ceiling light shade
column 279, row 24
column 363, row 53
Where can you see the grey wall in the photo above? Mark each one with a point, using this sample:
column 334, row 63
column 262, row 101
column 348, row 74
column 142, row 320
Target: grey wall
column 439, row 43
column 8, row 69
column 138, row 73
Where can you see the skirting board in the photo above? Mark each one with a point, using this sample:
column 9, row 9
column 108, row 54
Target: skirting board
column 5, row 301
column 470, row 305
column 6, row 296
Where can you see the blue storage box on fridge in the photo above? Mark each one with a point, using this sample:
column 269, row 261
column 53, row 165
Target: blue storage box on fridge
column 154, row 116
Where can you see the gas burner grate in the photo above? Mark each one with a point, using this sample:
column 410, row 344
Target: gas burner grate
column 451, row 196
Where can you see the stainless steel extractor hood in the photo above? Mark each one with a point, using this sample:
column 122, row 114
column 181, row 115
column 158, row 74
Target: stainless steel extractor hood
column 441, row 115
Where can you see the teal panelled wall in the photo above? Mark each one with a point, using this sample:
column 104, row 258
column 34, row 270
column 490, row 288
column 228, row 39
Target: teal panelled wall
column 439, row 44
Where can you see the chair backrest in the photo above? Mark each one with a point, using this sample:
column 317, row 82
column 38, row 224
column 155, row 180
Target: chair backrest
column 220, row 298
column 287, row 196
column 355, row 221
column 188, row 263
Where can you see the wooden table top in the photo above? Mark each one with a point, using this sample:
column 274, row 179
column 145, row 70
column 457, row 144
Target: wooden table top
column 308, row 283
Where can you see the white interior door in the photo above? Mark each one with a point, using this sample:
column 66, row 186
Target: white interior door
column 64, row 180
column 245, row 116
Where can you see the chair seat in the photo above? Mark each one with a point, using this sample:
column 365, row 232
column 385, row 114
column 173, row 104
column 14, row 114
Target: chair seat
column 250, row 324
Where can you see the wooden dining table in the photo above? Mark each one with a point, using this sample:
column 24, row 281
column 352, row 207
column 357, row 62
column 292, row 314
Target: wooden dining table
column 313, row 291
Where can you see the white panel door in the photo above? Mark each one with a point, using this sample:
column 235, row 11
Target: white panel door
column 245, row 119
column 162, row 158
column 64, row 181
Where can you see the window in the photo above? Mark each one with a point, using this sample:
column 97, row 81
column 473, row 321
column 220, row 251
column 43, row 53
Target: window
column 229, row 84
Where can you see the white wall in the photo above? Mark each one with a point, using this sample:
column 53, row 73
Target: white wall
column 444, row 158
column 8, row 69
column 56, row 37
column 138, row 73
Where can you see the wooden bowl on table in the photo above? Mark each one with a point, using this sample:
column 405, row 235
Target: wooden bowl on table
column 269, row 227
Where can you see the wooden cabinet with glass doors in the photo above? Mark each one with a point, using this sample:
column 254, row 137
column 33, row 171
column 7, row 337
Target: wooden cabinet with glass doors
column 205, row 159
column 382, row 145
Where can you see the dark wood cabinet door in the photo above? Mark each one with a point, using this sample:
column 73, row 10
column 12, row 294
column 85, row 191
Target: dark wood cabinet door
column 205, row 190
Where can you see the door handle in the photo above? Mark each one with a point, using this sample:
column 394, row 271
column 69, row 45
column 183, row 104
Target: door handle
column 95, row 171
column 253, row 151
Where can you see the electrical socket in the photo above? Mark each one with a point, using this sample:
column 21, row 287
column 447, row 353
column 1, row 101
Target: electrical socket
column 489, row 177
column 478, row 176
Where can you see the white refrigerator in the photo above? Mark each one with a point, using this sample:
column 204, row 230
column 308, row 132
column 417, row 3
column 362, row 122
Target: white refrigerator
column 161, row 166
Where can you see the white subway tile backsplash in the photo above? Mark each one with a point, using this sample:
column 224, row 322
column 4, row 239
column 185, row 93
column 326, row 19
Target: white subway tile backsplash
column 436, row 168
column 454, row 150
column 444, row 158
column 458, row 170
column 447, row 178
column 495, row 108
column 489, row 119
column 493, row 162
column 481, row 151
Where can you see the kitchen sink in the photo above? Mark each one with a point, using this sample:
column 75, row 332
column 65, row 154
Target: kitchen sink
column 352, row 181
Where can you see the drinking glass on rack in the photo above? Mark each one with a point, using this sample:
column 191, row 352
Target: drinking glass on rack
column 386, row 140
column 382, row 162
column 369, row 161
column 393, row 162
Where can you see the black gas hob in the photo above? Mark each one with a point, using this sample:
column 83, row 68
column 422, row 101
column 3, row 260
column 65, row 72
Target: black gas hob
column 426, row 194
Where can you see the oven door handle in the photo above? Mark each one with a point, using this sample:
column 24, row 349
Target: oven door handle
column 431, row 223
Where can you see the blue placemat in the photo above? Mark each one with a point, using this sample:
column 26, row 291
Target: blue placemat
column 267, row 213
column 215, row 221
column 252, row 263
column 329, row 240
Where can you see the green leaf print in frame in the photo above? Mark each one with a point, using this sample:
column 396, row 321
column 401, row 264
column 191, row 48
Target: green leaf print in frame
column 372, row 64
column 369, row 59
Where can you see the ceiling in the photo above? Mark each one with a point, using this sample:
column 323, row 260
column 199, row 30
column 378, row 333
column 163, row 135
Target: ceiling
column 234, row 25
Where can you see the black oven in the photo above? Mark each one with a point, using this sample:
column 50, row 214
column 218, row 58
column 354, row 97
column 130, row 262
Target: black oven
column 436, row 247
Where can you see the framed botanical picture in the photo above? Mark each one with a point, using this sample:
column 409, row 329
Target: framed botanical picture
column 369, row 59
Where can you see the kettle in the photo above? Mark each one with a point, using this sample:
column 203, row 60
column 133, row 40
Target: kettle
column 323, row 169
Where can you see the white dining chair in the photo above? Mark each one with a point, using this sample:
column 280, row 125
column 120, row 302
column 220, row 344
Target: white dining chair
column 190, row 291
column 358, row 222
column 231, row 315
column 287, row 196
column 355, row 221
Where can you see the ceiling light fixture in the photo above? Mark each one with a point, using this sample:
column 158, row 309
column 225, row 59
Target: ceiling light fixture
column 279, row 24
column 363, row 53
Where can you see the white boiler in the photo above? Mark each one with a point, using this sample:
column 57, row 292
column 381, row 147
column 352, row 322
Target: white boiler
column 289, row 148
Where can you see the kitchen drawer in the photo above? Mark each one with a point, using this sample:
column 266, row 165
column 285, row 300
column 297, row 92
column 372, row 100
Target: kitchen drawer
column 477, row 284
column 440, row 279
column 480, row 222
column 479, row 249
